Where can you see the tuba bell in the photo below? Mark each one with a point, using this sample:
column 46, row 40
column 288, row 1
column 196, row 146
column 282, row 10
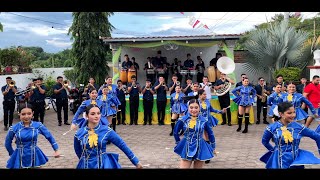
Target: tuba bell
column 225, row 65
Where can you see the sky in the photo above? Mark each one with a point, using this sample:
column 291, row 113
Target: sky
column 49, row 29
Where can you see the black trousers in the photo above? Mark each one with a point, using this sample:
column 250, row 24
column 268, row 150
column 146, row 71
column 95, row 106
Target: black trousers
column 161, row 105
column 264, row 106
column 38, row 108
column 134, row 104
column 224, row 103
column 62, row 103
column 8, row 109
column 147, row 106
column 121, row 115
column 199, row 77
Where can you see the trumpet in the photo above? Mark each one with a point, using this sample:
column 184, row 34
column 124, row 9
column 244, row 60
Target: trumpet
column 163, row 84
column 12, row 83
column 65, row 83
column 33, row 86
column 178, row 83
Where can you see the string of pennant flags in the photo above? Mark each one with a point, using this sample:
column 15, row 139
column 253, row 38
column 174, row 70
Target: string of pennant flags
column 196, row 23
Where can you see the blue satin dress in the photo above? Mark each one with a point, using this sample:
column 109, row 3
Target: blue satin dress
column 273, row 100
column 27, row 154
column 192, row 146
column 177, row 105
column 288, row 155
column 97, row 157
column 206, row 113
column 297, row 100
column 112, row 93
column 108, row 105
column 246, row 95
column 82, row 108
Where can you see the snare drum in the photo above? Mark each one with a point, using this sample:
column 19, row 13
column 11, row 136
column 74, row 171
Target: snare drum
column 193, row 72
column 123, row 76
column 150, row 71
column 160, row 71
column 183, row 72
column 130, row 73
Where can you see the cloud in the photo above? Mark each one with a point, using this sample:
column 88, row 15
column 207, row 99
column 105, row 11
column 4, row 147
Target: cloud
column 59, row 42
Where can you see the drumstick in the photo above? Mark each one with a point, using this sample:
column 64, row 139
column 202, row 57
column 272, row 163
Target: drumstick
column 61, row 155
column 66, row 132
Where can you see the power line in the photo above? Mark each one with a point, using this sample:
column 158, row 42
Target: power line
column 37, row 19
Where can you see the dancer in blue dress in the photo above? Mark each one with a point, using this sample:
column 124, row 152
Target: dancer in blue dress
column 297, row 99
column 274, row 99
column 26, row 132
column 287, row 134
column 80, row 122
column 193, row 147
column 109, row 109
column 178, row 107
column 244, row 98
column 90, row 144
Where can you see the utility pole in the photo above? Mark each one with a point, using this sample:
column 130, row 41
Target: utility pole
column 286, row 16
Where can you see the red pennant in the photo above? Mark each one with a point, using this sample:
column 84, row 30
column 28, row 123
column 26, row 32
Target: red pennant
column 205, row 26
column 195, row 24
column 182, row 13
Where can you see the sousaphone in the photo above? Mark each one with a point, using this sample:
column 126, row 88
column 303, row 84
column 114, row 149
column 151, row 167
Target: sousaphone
column 225, row 65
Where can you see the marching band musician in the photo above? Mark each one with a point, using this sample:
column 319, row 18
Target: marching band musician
column 9, row 103
column 134, row 89
column 262, row 96
column 158, row 62
column 148, row 93
column 38, row 96
column 172, row 85
column 176, row 67
column 224, row 100
column 91, row 85
column 126, row 64
column 200, row 68
column 244, row 98
column 135, row 66
column 206, row 86
column 149, row 66
column 188, row 87
column 243, row 76
column 161, row 89
column 121, row 95
column 189, row 64
column 195, row 88
column 178, row 107
column 60, row 91
column 280, row 80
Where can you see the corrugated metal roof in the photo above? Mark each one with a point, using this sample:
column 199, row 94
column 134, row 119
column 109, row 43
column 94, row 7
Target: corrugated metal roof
column 159, row 38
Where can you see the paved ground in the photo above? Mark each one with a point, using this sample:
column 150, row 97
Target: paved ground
column 154, row 147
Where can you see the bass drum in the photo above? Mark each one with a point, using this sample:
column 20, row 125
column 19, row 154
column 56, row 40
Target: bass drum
column 123, row 76
column 211, row 73
column 131, row 72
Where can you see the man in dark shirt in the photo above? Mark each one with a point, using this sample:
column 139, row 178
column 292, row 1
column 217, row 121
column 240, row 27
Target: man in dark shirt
column 161, row 88
column 89, row 87
column 243, row 76
column 149, row 68
column 189, row 64
column 134, row 89
column 213, row 61
column 262, row 94
column 280, row 81
column 148, row 93
column 61, row 95
column 172, row 85
column 38, row 95
column 158, row 62
column 188, row 87
column 224, row 100
column 126, row 64
column 200, row 68
column 121, row 94
column 9, row 103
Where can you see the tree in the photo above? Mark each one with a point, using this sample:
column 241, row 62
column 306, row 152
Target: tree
column 88, row 49
column 9, row 57
column 1, row 27
column 276, row 47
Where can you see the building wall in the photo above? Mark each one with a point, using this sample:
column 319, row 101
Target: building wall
column 22, row 80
